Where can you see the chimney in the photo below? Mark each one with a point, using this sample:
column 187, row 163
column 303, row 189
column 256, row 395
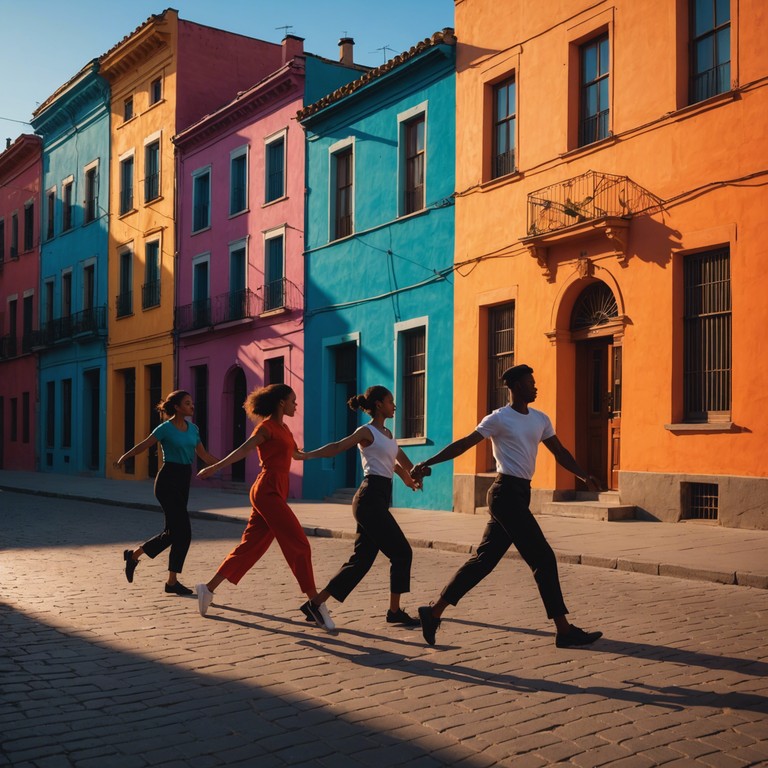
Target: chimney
column 346, row 44
column 7, row 142
column 292, row 46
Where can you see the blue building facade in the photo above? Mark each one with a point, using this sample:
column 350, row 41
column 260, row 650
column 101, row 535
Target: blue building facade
column 71, row 342
column 379, row 239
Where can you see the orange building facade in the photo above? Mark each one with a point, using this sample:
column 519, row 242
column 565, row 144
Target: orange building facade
column 612, row 182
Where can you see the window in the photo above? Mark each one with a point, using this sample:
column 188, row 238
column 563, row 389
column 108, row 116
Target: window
column 25, row 417
column 29, row 226
column 12, row 325
column 66, row 294
column 91, row 194
column 414, row 381
column 274, row 371
column 274, row 289
column 238, row 181
column 66, row 206
column 125, row 297
column 50, row 414
column 152, row 171
column 344, row 189
column 238, row 296
column 414, row 164
column 201, row 199
column 275, row 165
column 49, row 308
column 593, row 122
column 89, row 286
column 707, row 336
column 14, row 419
column 14, row 235
column 2, row 239
column 501, row 355
column 201, row 301
column 50, row 214
column 150, row 292
column 27, row 311
column 504, row 122
column 66, row 413
column 128, row 108
column 156, row 90
column 126, row 185
column 710, row 48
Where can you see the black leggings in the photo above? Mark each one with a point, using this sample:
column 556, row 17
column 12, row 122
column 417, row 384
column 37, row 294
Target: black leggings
column 172, row 491
column 377, row 531
column 511, row 523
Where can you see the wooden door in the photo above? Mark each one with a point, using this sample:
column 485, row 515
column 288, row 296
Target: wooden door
column 614, row 415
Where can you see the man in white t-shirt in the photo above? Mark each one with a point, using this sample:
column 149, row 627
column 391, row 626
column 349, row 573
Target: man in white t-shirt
column 515, row 432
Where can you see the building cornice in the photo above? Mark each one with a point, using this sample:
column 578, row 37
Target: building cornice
column 24, row 151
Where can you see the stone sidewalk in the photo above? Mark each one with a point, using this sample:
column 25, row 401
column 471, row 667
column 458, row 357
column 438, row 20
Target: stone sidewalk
column 682, row 550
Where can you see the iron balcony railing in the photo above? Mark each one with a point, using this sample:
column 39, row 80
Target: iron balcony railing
column 240, row 305
column 150, row 294
column 87, row 322
column 583, row 198
column 124, row 303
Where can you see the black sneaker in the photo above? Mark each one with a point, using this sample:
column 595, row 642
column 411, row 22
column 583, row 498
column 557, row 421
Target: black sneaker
column 177, row 589
column 429, row 623
column 401, row 617
column 575, row 637
column 130, row 564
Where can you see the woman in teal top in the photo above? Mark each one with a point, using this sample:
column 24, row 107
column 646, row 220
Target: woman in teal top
column 180, row 442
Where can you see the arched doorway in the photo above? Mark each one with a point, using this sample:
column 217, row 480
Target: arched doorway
column 596, row 331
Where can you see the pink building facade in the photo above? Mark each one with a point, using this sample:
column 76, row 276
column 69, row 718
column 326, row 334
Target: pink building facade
column 240, row 273
column 20, row 174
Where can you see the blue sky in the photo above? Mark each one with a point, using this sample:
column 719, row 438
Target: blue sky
column 44, row 42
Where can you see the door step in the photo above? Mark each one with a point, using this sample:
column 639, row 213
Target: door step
column 589, row 505
column 341, row 496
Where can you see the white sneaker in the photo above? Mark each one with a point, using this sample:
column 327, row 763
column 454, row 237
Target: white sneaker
column 204, row 598
column 328, row 622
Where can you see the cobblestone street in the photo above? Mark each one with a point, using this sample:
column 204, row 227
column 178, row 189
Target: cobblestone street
column 97, row 673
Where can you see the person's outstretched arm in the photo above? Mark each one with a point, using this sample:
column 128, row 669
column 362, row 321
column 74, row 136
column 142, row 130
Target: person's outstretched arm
column 202, row 452
column 260, row 436
column 148, row 442
column 564, row 458
column 456, row 448
column 333, row 449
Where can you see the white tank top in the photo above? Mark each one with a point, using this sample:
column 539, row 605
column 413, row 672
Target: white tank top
column 380, row 456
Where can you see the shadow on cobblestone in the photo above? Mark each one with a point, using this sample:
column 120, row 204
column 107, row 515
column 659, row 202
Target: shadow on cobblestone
column 68, row 697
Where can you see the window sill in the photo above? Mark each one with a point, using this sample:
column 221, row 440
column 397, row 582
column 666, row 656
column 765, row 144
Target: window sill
column 238, row 213
column 154, row 200
column 154, row 105
column 608, row 141
column 276, row 200
column 275, row 311
column 202, row 229
column 500, row 181
column 412, row 214
column 412, row 441
column 129, row 120
column 123, row 317
column 689, row 110
column 125, row 214
column 703, row 426
column 151, row 306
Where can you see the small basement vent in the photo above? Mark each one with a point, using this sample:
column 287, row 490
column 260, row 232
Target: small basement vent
column 700, row 501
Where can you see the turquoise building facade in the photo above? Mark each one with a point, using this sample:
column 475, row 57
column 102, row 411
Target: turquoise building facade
column 379, row 236
column 72, row 337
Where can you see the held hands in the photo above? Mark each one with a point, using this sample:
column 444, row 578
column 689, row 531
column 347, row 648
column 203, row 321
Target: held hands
column 420, row 471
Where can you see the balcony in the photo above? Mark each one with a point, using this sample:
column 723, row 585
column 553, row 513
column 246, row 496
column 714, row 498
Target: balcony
column 150, row 294
column 124, row 303
column 89, row 323
column 581, row 207
column 9, row 347
column 242, row 305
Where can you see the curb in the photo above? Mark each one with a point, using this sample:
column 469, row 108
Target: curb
column 729, row 578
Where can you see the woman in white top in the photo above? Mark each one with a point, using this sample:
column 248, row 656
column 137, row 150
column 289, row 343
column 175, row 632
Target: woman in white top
column 377, row 529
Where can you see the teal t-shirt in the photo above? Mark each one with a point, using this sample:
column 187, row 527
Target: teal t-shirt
column 178, row 447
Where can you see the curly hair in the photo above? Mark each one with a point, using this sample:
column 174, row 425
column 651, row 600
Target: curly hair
column 367, row 402
column 263, row 402
column 167, row 407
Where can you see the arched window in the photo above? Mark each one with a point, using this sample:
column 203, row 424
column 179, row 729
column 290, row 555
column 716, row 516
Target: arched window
column 595, row 306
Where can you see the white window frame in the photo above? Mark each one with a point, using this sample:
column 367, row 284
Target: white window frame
column 128, row 154
column 403, row 118
column 195, row 175
column 399, row 330
column 201, row 258
column 90, row 262
column 237, row 245
column 153, row 80
column 94, row 164
column 271, row 139
column 267, row 235
column 334, row 150
column 64, row 182
column 52, row 305
column 54, row 191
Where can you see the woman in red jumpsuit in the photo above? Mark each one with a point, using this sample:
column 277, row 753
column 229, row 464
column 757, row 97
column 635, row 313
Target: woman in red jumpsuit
column 271, row 517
